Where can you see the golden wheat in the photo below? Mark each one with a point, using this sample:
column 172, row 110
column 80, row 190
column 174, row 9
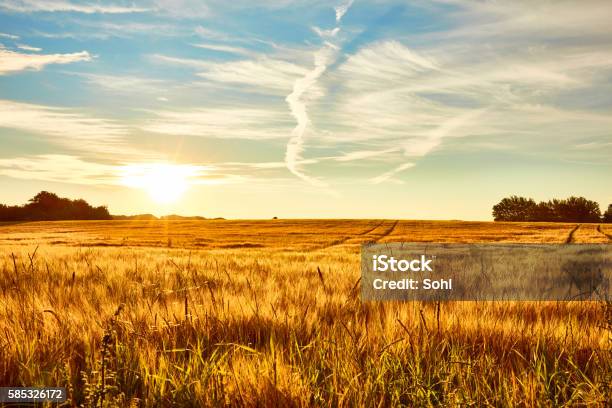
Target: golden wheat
column 262, row 313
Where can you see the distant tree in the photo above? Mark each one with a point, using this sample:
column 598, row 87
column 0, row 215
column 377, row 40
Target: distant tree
column 572, row 209
column 514, row 208
column 48, row 206
column 543, row 211
column 576, row 209
column 607, row 217
column 11, row 213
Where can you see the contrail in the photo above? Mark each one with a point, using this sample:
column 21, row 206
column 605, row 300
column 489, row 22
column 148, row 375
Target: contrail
column 295, row 147
column 322, row 58
column 430, row 142
column 342, row 9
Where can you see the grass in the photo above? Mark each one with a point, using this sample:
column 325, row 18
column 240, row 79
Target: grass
column 268, row 313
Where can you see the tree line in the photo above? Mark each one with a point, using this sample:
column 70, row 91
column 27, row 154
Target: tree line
column 572, row 209
column 48, row 206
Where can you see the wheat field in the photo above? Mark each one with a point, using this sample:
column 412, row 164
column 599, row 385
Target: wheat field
column 268, row 313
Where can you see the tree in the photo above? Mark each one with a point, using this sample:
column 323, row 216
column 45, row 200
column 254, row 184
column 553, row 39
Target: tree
column 544, row 211
column 49, row 206
column 514, row 208
column 572, row 209
column 607, row 217
column 577, row 209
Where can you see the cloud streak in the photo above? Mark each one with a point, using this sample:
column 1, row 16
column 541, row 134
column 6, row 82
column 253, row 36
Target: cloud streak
column 67, row 127
column 224, row 48
column 63, row 168
column 221, row 123
column 50, row 6
column 9, row 36
column 342, row 9
column 11, row 61
column 262, row 74
column 388, row 175
column 297, row 103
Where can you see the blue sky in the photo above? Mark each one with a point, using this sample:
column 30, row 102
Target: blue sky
column 395, row 109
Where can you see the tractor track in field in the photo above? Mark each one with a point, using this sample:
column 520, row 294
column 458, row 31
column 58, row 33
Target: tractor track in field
column 371, row 229
column 388, row 232
column 570, row 236
column 343, row 240
column 601, row 231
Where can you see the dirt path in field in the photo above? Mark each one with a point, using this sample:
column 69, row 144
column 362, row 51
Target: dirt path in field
column 344, row 240
column 371, row 229
column 570, row 236
column 600, row 230
column 387, row 232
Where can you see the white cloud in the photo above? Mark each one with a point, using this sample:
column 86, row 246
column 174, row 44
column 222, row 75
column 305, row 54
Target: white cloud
column 388, row 175
column 9, row 36
column 64, row 168
column 125, row 83
column 230, row 123
column 33, row 6
column 297, row 105
column 224, row 48
column 182, row 8
column 59, row 168
column 28, row 48
column 397, row 95
column 342, row 9
column 326, row 33
column 265, row 75
column 64, row 126
column 11, row 61
column 498, row 20
column 364, row 154
column 210, row 34
column 383, row 64
column 269, row 74
column 299, row 98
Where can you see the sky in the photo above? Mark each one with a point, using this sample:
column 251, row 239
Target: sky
column 306, row 109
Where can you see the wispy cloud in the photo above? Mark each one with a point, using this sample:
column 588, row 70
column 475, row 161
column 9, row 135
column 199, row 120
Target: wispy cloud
column 125, row 83
column 388, row 175
column 392, row 95
column 342, row 9
column 28, row 48
column 9, row 36
column 59, row 168
column 264, row 74
column 67, row 127
column 225, row 48
column 326, row 33
column 33, row 6
column 224, row 123
column 11, row 61
column 297, row 106
column 63, row 168
column 364, row 154
column 297, row 101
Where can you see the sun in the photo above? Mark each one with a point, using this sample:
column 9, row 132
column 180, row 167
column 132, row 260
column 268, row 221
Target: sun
column 165, row 183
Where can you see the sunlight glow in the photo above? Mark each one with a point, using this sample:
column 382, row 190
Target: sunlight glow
column 165, row 183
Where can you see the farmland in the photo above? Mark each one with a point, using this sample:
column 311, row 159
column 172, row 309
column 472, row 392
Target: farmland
column 260, row 313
